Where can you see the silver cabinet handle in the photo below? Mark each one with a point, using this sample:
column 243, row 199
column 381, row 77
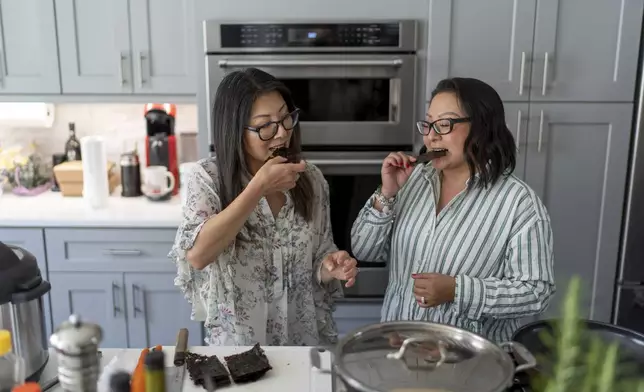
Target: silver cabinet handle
column 521, row 75
column 545, row 74
column 2, row 73
column 117, row 309
column 345, row 162
column 141, row 58
column 540, row 131
column 123, row 252
column 519, row 131
column 310, row 63
column 135, row 308
column 121, row 72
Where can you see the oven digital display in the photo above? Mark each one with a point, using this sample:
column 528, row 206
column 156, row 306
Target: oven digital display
column 308, row 36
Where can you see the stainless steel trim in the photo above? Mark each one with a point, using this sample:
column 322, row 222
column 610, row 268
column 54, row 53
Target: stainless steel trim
column 123, row 252
column 545, row 74
column 135, row 308
column 540, row 131
column 141, row 80
column 519, row 131
column 521, row 75
column 409, row 41
column 115, row 307
column 310, row 63
column 2, row 68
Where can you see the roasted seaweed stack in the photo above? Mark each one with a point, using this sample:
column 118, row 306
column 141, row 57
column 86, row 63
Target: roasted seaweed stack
column 201, row 366
column 248, row 366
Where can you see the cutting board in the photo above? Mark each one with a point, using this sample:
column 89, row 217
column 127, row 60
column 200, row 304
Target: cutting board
column 291, row 371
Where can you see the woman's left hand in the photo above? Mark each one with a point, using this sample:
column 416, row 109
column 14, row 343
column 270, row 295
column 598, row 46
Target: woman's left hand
column 432, row 289
column 339, row 265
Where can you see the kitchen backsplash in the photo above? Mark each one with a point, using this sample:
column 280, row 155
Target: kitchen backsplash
column 121, row 124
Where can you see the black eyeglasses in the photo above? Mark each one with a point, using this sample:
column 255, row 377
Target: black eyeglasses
column 442, row 126
column 268, row 130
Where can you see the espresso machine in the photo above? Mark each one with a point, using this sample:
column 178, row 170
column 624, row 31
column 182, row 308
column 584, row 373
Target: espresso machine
column 161, row 142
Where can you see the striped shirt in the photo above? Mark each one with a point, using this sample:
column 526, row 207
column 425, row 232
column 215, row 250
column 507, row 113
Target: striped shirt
column 496, row 241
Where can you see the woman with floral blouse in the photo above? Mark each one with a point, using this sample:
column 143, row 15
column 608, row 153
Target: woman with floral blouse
column 255, row 251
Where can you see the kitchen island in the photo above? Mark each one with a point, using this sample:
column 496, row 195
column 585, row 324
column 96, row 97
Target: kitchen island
column 111, row 266
column 291, row 371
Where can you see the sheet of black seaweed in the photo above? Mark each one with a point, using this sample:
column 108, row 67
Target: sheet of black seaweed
column 248, row 366
column 201, row 366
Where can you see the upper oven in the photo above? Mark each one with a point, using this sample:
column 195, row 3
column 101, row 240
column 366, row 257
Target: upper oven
column 355, row 83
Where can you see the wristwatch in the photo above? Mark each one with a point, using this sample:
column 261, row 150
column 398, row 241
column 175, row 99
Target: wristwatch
column 386, row 202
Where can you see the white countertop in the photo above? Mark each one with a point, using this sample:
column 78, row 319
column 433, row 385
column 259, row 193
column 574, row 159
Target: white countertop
column 51, row 209
column 291, row 371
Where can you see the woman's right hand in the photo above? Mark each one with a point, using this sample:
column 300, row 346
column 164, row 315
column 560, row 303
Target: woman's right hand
column 396, row 169
column 278, row 176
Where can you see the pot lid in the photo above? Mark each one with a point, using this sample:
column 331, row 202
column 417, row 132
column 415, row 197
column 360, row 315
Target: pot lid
column 19, row 274
column 421, row 356
column 74, row 337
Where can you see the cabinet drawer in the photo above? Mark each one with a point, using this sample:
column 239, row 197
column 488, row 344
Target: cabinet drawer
column 350, row 316
column 120, row 250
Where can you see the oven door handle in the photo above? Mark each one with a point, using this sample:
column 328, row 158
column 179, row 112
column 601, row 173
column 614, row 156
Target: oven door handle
column 345, row 162
column 309, row 63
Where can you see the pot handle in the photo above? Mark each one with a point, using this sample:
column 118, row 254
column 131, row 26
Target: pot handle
column 523, row 353
column 400, row 354
column 316, row 361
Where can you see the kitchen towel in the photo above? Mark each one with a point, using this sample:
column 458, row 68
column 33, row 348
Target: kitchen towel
column 95, row 178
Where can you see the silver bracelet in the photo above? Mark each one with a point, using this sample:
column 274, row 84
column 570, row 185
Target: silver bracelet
column 386, row 203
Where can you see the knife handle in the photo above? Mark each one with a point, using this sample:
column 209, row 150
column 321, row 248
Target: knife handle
column 181, row 347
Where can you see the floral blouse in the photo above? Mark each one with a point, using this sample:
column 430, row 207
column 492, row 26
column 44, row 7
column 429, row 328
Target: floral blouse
column 266, row 289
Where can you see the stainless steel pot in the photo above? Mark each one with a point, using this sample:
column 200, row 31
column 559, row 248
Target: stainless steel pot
column 21, row 307
column 422, row 356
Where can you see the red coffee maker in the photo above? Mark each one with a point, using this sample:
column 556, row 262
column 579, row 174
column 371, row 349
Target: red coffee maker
column 160, row 142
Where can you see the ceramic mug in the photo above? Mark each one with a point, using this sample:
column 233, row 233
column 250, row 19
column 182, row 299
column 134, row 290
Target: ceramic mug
column 157, row 181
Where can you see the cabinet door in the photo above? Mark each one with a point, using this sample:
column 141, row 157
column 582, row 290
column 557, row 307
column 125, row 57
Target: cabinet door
column 516, row 115
column 350, row 315
column 163, row 46
column 586, row 50
column 28, row 51
column 94, row 44
column 157, row 310
column 489, row 40
column 95, row 297
column 33, row 241
column 577, row 163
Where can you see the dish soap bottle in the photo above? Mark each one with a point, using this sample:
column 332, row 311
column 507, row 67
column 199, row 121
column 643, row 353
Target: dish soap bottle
column 11, row 366
column 72, row 147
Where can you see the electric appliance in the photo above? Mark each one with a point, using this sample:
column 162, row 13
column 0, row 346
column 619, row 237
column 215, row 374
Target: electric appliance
column 160, row 141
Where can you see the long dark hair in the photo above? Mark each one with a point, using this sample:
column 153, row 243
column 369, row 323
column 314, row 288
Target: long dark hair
column 489, row 149
column 230, row 113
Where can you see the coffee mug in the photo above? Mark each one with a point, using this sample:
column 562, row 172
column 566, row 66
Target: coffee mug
column 157, row 181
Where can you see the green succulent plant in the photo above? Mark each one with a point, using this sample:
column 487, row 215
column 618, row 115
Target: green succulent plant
column 583, row 362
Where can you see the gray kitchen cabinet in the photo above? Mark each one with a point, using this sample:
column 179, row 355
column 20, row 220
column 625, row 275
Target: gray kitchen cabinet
column 157, row 310
column 538, row 50
column 28, row 51
column 163, row 46
column 94, row 46
column 32, row 241
column 516, row 115
column 586, row 50
column 577, row 163
column 98, row 298
column 133, row 48
column 350, row 315
column 489, row 40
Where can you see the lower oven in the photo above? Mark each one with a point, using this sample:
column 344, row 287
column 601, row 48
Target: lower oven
column 352, row 179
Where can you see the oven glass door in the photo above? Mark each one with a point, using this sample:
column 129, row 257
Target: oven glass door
column 351, row 183
column 346, row 100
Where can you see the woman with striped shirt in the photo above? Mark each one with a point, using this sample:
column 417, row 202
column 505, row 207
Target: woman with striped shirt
column 467, row 242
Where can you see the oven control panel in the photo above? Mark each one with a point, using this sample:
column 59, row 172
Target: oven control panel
column 284, row 35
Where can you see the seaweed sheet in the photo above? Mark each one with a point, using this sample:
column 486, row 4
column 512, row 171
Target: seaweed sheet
column 248, row 366
column 284, row 153
column 201, row 366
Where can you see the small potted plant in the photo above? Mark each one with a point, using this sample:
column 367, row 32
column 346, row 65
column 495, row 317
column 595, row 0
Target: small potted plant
column 580, row 364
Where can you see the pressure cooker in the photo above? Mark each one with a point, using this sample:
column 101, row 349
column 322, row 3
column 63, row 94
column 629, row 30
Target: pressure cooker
column 21, row 307
column 422, row 356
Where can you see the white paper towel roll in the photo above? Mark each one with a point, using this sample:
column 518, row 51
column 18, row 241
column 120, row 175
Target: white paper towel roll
column 26, row 114
column 95, row 182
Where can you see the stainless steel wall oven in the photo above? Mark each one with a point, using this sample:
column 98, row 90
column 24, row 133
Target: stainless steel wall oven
column 355, row 84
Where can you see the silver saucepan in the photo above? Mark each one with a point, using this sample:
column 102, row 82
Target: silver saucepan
column 417, row 356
